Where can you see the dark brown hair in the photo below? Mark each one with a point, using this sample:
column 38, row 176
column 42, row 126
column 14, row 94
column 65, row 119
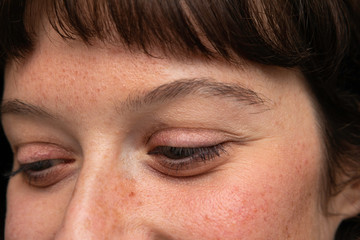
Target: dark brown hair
column 319, row 37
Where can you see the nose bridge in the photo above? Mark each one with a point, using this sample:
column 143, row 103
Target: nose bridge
column 98, row 202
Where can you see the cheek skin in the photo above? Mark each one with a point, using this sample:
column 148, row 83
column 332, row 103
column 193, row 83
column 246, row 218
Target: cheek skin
column 28, row 210
column 269, row 201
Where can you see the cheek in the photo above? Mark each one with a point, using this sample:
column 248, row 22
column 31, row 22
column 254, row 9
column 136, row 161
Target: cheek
column 274, row 199
column 39, row 211
column 236, row 213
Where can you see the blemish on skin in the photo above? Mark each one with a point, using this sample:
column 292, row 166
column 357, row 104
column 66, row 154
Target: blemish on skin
column 131, row 194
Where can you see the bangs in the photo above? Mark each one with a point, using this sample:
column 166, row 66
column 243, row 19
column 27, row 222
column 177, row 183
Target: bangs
column 210, row 28
column 267, row 32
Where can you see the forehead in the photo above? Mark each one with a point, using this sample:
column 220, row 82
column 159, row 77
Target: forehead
column 73, row 63
column 71, row 76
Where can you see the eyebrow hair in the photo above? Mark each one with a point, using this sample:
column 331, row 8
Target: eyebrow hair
column 204, row 87
column 18, row 106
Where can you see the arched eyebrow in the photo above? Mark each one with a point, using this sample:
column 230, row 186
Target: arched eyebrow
column 204, row 87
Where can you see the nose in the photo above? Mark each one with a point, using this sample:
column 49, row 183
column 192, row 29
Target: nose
column 100, row 206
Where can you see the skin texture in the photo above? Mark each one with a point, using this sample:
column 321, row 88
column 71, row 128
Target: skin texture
column 264, row 185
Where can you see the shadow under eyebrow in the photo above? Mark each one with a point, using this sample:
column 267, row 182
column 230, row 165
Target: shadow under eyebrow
column 204, row 87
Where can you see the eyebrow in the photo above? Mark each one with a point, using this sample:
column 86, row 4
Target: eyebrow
column 204, row 87
column 20, row 107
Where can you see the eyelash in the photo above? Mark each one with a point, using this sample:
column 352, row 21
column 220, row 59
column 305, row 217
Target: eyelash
column 38, row 173
column 183, row 158
column 43, row 174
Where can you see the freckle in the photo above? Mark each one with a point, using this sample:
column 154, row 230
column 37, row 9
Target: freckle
column 132, row 194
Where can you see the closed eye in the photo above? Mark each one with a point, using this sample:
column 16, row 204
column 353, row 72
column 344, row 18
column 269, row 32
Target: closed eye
column 199, row 153
column 185, row 161
column 42, row 173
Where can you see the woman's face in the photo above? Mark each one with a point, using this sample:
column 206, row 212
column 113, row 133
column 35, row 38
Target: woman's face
column 120, row 145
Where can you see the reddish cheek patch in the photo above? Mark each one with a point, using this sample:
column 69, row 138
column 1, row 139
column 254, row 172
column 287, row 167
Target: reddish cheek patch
column 228, row 214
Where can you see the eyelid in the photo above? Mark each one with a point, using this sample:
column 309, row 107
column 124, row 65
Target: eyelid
column 46, row 176
column 43, row 164
column 33, row 152
column 202, row 161
column 29, row 166
column 187, row 137
column 208, row 145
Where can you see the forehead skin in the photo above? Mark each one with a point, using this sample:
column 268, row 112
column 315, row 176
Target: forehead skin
column 267, row 188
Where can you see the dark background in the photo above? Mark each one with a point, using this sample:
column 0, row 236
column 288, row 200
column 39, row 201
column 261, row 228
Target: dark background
column 5, row 166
